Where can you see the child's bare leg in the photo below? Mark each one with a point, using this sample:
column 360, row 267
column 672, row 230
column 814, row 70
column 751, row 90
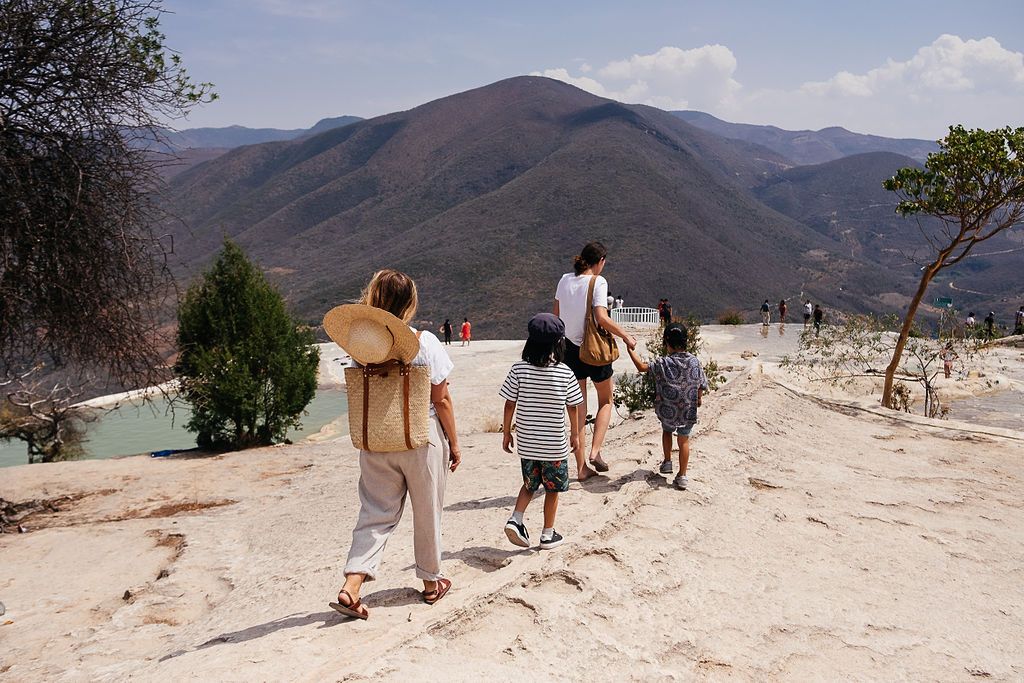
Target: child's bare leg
column 684, row 453
column 550, row 508
column 666, row 446
column 523, row 499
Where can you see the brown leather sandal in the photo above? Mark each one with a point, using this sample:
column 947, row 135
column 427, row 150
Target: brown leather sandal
column 354, row 608
column 443, row 586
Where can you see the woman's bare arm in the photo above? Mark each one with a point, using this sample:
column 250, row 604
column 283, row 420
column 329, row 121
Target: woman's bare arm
column 605, row 321
column 445, row 409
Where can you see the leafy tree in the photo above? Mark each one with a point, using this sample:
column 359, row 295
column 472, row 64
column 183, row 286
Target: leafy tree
column 974, row 186
column 84, row 87
column 247, row 368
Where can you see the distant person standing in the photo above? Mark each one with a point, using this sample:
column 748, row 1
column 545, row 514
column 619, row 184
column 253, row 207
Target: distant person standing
column 666, row 313
column 990, row 325
column 446, row 329
column 969, row 324
column 808, row 310
column 619, row 303
column 782, row 311
column 819, row 316
column 611, row 301
column 766, row 313
column 465, row 334
column 1018, row 322
column 948, row 356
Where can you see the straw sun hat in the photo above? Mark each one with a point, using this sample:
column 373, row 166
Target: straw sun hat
column 370, row 334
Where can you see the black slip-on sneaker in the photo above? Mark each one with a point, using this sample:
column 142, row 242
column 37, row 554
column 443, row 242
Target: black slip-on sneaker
column 517, row 533
column 553, row 542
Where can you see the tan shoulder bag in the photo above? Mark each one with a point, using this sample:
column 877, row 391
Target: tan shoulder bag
column 598, row 347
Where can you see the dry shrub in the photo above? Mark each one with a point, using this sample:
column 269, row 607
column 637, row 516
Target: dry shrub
column 730, row 317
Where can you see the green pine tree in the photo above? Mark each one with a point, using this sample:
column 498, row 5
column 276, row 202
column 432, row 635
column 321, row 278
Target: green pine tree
column 247, row 368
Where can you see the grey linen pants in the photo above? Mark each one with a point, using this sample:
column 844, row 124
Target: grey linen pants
column 384, row 481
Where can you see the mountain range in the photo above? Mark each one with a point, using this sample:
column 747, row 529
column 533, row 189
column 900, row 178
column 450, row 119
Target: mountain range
column 484, row 197
column 183, row 149
column 810, row 146
column 229, row 137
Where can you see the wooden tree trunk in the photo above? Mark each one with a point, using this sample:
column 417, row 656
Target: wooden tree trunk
column 908, row 323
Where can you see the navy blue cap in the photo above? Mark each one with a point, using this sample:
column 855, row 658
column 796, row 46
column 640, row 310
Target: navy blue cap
column 546, row 326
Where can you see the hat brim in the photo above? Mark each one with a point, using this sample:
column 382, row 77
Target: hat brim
column 338, row 321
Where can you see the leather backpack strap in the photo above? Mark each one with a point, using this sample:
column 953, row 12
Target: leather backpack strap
column 406, row 370
column 366, row 407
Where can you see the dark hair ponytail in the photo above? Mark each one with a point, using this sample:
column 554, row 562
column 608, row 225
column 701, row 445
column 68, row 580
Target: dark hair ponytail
column 590, row 256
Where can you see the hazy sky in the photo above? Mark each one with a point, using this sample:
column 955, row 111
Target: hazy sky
column 898, row 68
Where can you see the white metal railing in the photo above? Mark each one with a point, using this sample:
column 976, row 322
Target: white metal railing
column 635, row 315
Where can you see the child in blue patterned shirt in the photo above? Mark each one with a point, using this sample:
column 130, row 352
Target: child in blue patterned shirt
column 679, row 384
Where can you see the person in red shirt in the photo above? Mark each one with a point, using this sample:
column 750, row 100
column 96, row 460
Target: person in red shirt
column 465, row 334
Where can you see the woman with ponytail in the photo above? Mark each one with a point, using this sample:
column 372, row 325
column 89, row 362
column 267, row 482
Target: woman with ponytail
column 571, row 307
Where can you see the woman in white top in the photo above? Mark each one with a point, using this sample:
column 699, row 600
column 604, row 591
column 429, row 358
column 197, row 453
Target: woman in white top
column 386, row 478
column 571, row 307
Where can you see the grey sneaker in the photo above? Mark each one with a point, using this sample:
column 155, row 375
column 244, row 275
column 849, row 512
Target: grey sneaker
column 553, row 542
column 666, row 467
column 517, row 533
column 681, row 482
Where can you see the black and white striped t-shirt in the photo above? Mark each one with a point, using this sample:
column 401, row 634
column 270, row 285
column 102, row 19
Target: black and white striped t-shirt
column 541, row 395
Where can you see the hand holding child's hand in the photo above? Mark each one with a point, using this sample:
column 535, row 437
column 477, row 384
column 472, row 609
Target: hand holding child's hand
column 506, row 442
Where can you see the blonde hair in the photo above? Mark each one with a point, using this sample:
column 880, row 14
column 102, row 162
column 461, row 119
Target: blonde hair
column 393, row 291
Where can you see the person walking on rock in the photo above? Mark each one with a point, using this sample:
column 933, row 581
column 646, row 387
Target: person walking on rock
column 679, row 384
column 446, row 329
column 1018, row 322
column 376, row 332
column 538, row 391
column 466, row 333
column 766, row 313
column 819, row 317
column 782, row 311
column 571, row 297
column 808, row 311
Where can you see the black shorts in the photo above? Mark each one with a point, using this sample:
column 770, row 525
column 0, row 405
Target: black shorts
column 595, row 373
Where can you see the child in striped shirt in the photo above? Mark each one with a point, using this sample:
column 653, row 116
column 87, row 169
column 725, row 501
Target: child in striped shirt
column 538, row 391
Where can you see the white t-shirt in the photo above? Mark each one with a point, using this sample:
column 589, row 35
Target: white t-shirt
column 571, row 295
column 541, row 395
column 433, row 355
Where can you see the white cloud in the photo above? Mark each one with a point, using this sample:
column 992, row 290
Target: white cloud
column 671, row 78
column 581, row 82
column 950, row 64
column 976, row 82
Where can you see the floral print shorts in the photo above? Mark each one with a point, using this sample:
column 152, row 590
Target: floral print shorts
column 553, row 475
